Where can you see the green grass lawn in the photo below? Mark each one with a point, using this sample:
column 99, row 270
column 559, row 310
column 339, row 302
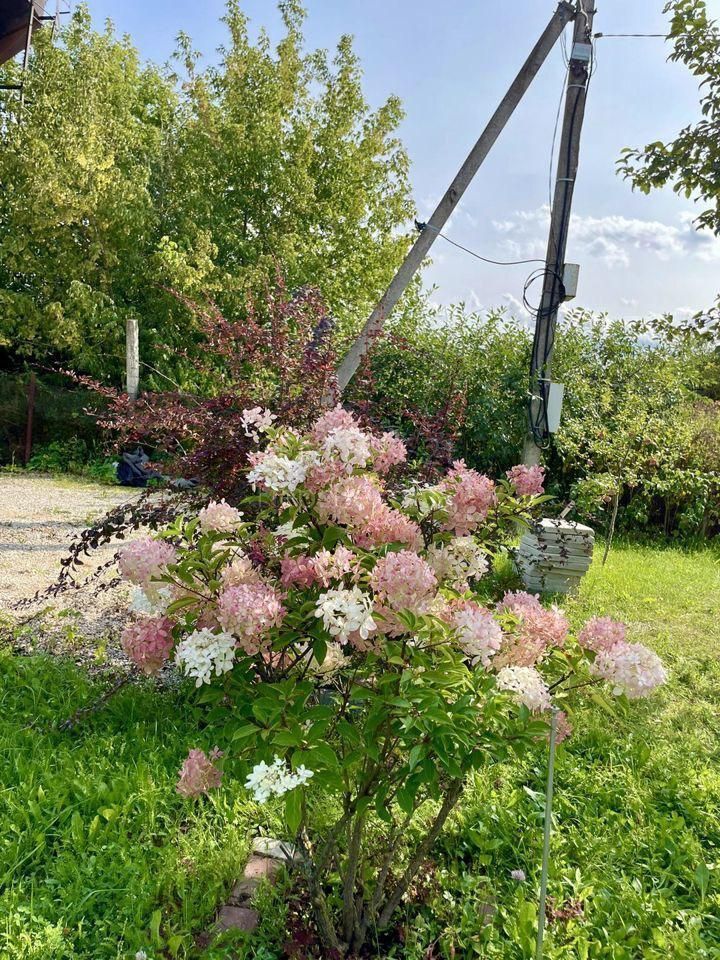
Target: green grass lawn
column 99, row 857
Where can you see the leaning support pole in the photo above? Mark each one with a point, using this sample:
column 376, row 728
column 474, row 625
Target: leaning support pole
column 546, row 836
column 562, row 16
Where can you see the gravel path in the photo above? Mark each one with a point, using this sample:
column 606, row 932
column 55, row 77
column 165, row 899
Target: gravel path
column 39, row 516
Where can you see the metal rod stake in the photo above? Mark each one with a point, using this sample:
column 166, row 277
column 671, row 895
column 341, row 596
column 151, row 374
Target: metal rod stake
column 546, row 838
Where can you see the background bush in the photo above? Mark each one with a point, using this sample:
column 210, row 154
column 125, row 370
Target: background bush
column 641, row 422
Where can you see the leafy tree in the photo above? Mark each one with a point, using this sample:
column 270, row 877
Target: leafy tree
column 121, row 179
column 691, row 162
column 77, row 213
column 278, row 159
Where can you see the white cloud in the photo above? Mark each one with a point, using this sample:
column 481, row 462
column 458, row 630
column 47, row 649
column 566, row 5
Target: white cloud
column 610, row 239
column 516, row 307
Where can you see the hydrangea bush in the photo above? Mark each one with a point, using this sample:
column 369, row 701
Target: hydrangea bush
column 335, row 628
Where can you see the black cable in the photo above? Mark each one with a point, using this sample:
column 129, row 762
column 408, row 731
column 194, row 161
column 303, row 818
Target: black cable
column 498, row 263
column 602, row 36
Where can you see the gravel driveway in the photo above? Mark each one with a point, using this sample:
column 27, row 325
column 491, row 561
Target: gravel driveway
column 39, row 516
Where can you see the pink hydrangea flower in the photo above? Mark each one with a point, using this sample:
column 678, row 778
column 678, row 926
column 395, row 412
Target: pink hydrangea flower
column 250, row 611
column 601, row 634
column 148, row 642
column 631, row 668
column 351, row 501
column 335, row 419
column 141, row 561
column 240, row 570
column 297, row 571
column 220, row 517
column 388, row 451
column 479, row 634
column 404, row 581
column 321, row 475
column 470, row 497
column 329, row 567
column 198, row 774
column 387, row 525
column 401, row 581
column 538, row 631
column 528, row 481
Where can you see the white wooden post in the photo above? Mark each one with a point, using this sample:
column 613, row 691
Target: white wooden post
column 132, row 358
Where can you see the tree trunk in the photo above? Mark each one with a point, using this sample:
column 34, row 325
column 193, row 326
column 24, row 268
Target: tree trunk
column 611, row 527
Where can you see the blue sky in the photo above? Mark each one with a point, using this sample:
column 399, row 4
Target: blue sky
column 450, row 63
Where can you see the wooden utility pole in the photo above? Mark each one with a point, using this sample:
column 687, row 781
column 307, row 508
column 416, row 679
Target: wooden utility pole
column 579, row 71
column 132, row 358
column 374, row 324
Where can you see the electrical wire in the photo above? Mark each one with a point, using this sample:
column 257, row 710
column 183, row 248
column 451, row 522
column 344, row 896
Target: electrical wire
column 603, row 36
column 497, row 263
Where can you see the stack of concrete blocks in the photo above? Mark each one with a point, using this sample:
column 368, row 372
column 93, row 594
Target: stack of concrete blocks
column 555, row 555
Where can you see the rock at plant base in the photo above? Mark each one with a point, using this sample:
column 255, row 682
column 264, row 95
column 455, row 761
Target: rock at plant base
column 275, row 849
column 236, row 918
column 243, row 891
column 261, row 868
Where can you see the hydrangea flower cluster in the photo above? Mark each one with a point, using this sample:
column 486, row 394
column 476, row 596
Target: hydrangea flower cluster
column 205, row 653
column 152, row 606
column 631, row 668
column 539, row 630
column 275, row 779
column 219, row 517
column 347, row 615
column 280, row 473
column 199, row 774
column 526, row 686
column 148, row 642
column 528, row 481
column 249, row 612
column 471, row 496
column 142, row 561
column 458, row 562
column 479, row 634
column 601, row 634
column 256, row 421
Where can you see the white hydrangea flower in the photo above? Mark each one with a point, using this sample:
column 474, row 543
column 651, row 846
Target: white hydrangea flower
column 256, row 421
column 346, row 612
column 351, row 445
column 205, row 652
column 527, row 685
column 280, row 473
column 458, row 561
column 274, row 780
column 152, row 602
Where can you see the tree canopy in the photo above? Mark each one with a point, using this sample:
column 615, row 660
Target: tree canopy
column 690, row 162
column 121, row 179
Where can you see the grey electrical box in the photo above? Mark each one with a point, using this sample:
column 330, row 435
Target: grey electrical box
column 554, row 406
column 582, row 51
column 571, row 278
